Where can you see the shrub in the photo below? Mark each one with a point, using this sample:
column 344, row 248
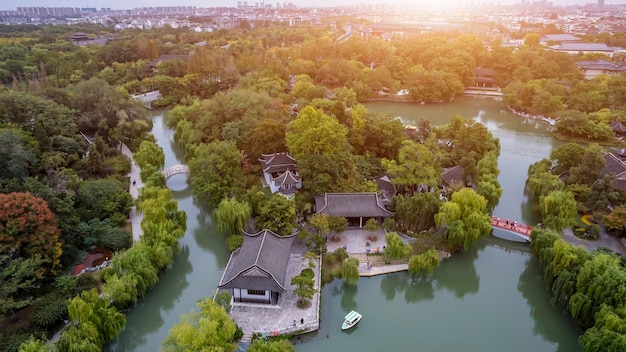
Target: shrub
column 336, row 273
column 389, row 224
column 341, row 254
column 116, row 239
column 48, row 310
column 234, row 241
column 329, row 258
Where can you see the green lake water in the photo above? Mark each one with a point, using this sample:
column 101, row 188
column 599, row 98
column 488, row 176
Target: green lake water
column 490, row 298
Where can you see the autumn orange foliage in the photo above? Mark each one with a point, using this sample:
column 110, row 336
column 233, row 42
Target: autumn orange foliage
column 28, row 225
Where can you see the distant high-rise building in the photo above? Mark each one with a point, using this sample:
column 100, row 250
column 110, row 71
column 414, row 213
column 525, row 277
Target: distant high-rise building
column 600, row 3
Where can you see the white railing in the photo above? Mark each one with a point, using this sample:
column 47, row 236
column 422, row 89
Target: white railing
column 175, row 170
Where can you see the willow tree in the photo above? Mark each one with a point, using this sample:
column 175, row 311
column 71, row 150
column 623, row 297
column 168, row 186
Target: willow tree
column 425, row 262
column 541, row 181
column 210, row 329
column 90, row 312
column 396, row 249
column 558, row 210
column 149, row 154
column 464, row 218
column 350, row 271
column 487, row 179
column 601, row 280
column 608, row 332
column 232, row 215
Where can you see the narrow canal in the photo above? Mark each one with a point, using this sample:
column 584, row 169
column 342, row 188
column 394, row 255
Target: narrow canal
column 490, row 298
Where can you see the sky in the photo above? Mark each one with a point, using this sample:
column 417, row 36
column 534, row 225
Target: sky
column 129, row 4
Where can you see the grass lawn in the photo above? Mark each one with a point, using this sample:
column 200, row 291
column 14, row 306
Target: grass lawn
column 427, row 241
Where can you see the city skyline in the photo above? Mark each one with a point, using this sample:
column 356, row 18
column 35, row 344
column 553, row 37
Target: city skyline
column 122, row 5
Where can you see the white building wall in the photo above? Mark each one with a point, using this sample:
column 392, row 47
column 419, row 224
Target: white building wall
column 246, row 296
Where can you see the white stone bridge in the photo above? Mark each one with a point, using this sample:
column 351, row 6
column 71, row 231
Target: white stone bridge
column 175, row 170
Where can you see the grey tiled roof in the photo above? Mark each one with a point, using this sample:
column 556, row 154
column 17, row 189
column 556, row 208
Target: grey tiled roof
column 288, row 177
column 277, row 162
column 601, row 65
column 453, row 174
column 616, row 166
column 349, row 205
column 582, row 47
column 559, row 38
column 260, row 263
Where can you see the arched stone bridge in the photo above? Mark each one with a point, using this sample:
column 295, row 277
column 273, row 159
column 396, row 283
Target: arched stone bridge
column 175, row 170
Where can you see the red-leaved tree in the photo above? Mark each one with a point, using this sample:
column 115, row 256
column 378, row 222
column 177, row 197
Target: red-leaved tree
column 29, row 227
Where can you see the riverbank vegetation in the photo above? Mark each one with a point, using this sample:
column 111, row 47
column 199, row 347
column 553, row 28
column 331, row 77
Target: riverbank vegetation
column 571, row 182
column 245, row 93
column 588, row 285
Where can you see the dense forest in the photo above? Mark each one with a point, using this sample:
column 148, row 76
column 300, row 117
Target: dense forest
column 235, row 94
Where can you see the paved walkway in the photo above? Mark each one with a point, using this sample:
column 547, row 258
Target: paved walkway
column 356, row 242
column 279, row 320
column 606, row 241
column 135, row 184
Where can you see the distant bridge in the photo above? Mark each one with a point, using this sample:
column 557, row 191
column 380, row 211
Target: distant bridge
column 519, row 232
column 148, row 98
column 175, row 170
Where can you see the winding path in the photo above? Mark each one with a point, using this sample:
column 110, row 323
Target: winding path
column 135, row 185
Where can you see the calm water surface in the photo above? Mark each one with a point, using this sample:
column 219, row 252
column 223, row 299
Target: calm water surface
column 488, row 299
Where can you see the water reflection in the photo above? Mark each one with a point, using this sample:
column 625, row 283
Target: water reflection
column 419, row 289
column 348, row 295
column 154, row 304
column 543, row 313
column 466, row 280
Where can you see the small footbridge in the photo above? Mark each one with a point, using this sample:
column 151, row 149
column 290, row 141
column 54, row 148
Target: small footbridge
column 518, row 232
column 175, row 170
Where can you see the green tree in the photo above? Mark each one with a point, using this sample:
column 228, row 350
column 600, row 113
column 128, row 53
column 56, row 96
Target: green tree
column 464, row 218
column 262, row 345
column 558, row 210
column 600, row 281
column 314, row 132
column 416, row 213
column 371, row 225
column 416, row 166
column 321, row 223
column 19, row 277
column 350, row 271
column 615, row 221
column 278, row 214
column 51, row 124
column 103, row 198
column 18, row 154
column 232, row 216
column 215, row 171
column 425, row 262
column 396, row 248
column 540, row 181
column 109, row 112
column 149, row 153
column 338, row 224
column 305, row 286
column 567, row 156
column 35, row 345
column 608, row 332
column 209, row 329
column 90, row 312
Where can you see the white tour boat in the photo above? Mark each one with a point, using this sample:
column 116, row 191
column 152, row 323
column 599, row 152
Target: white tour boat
column 351, row 320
